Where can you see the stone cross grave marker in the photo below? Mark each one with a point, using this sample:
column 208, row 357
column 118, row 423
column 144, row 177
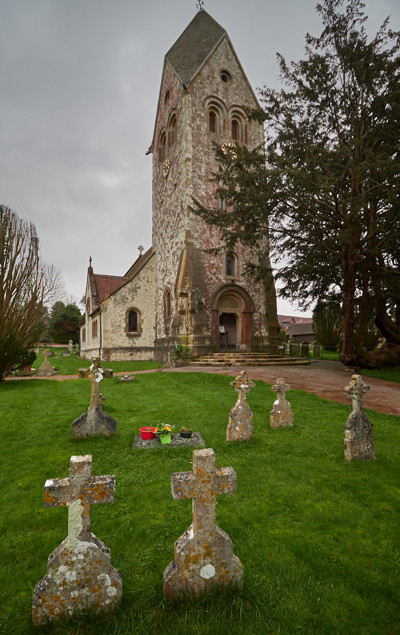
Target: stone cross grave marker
column 281, row 414
column 240, row 426
column 79, row 573
column 45, row 369
column 203, row 555
column 358, row 436
column 95, row 421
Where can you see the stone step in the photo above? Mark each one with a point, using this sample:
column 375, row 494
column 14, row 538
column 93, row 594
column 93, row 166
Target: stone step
column 243, row 359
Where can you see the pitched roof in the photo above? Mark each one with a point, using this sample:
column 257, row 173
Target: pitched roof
column 301, row 329
column 194, row 45
column 107, row 284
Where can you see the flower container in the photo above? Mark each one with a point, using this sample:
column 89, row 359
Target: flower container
column 186, row 434
column 147, row 433
column 165, row 438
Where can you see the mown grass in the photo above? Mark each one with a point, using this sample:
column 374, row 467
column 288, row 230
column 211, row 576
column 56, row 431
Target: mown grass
column 71, row 365
column 318, row 537
column 390, row 374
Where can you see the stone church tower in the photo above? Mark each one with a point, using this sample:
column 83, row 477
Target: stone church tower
column 203, row 300
column 181, row 291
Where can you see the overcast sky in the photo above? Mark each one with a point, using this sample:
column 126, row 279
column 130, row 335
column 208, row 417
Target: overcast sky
column 79, row 87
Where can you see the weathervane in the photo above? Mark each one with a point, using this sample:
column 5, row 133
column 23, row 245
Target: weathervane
column 200, row 5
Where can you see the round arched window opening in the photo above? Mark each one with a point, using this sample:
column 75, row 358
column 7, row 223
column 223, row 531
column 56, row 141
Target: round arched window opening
column 226, row 77
column 166, row 98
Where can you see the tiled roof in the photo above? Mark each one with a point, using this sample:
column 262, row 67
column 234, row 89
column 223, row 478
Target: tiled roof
column 301, row 329
column 194, row 46
column 107, row 284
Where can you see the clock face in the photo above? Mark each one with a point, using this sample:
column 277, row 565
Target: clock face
column 229, row 148
column 166, row 167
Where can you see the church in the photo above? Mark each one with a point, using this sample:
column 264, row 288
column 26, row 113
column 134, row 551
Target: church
column 183, row 291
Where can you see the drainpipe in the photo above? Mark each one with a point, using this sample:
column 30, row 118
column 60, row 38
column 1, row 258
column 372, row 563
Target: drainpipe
column 101, row 333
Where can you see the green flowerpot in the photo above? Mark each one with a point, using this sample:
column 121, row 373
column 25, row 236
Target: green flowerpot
column 166, row 438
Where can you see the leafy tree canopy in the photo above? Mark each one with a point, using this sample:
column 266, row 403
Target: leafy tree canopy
column 325, row 189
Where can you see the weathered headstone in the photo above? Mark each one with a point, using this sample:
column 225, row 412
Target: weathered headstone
column 281, row 414
column 71, row 346
column 203, row 555
column 46, row 369
column 95, row 421
column 79, row 573
column 358, row 437
column 240, row 426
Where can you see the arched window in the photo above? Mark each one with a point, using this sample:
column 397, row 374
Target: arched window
column 212, row 121
column 94, row 329
column 162, row 147
column 215, row 116
column 230, row 265
column 238, row 126
column 235, row 129
column 172, row 131
column 84, row 334
column 133, row 322
column 167, row 304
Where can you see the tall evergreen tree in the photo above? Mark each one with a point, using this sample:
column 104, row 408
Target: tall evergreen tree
column 327, row 185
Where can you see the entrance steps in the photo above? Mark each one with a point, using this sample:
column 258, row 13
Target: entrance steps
column 223, row 359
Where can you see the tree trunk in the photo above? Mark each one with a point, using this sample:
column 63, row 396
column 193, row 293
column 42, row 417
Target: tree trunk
column 349, row 290
column 271, row 311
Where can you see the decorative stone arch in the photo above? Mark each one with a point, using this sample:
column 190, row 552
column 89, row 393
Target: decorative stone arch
column 215, row 113
column 238, row 126
column 232, row 318
column 162, row 146
column 133, row 321
column 171, row 130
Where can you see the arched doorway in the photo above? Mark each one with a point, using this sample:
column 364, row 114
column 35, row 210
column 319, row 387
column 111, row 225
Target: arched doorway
column 232, row 310
column 228, row 332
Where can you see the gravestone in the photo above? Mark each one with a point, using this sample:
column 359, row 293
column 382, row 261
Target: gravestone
column 71, row 346
column 240, row 426
column 358, row 437
column 281, row 414
column 203, row 555
column 46, row 369
column 95, row 421
column 79, row 574
column 317, row 350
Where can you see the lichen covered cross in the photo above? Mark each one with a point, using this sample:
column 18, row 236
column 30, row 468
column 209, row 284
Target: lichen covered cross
column 79, row 492
column 356, row 390
column 95, row 374
column 242, row 384
column 280, row 388
column 203, row 484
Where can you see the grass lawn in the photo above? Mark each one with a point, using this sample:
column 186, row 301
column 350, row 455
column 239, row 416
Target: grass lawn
column 71, row 365
column 318, row 537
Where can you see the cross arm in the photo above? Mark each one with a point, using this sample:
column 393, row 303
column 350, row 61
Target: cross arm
column 225, row 480
column 56, row 492
column 101, row 489
column 183, row 485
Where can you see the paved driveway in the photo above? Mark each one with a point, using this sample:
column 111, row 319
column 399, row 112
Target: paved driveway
column 323, row 378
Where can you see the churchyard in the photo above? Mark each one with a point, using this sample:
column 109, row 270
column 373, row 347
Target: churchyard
column 317, row 536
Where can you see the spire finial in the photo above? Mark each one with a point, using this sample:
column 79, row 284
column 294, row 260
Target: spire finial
column 141, row 250
column 200, row 5
column 90, row 261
